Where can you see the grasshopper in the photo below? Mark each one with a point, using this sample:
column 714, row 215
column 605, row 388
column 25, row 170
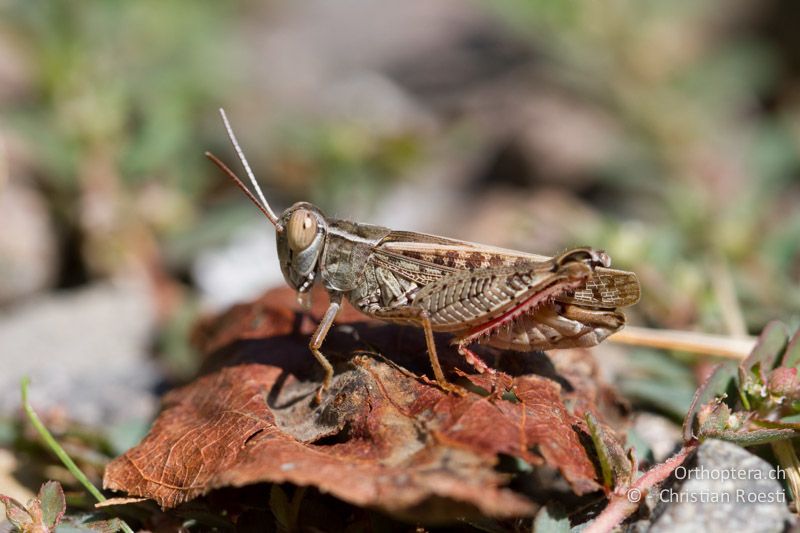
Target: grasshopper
column 478, row 293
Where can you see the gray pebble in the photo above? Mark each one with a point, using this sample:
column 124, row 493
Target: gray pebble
column 86, row 352
column 726, row 488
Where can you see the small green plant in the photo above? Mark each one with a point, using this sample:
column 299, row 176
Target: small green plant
column 756, row 402
column 42, row 513
column 45, row 513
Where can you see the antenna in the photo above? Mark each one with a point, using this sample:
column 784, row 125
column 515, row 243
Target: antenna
column 263, row 205
column 224, row 168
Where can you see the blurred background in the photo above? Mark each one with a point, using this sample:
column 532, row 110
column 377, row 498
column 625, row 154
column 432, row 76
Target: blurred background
column 667, row 133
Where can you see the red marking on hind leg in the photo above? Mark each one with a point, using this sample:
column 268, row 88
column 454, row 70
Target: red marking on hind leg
column 473, row 359
column 534, row 300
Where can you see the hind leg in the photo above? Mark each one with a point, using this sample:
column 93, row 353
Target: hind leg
column 420, row 318
column 474, row 359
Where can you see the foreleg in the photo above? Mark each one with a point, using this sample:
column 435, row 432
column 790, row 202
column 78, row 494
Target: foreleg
column 319, row 337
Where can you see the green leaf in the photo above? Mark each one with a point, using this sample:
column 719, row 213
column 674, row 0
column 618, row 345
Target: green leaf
column 614, row 464
column 791, row 419
column 89, row 522
column 51, row 496
column 668, row 398
column 771, row 344
column 784, row 423
column 715, row 386
column 753, row 370
column 713, row 417
column 59, row 451
column 601, row 450
column 791, row 357
column 125, row 435
column 659, row 381
column 16, row 513
column 752, row 437
column 94, row 526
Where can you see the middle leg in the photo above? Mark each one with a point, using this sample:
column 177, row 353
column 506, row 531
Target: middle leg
column 420, row 317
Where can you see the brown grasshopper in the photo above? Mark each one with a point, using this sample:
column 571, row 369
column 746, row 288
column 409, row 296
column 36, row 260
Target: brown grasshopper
column 480, row 294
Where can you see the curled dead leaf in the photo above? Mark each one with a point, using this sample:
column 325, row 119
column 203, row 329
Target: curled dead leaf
column 383, row 437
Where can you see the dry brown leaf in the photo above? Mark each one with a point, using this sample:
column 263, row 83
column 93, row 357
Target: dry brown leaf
column 382, row 437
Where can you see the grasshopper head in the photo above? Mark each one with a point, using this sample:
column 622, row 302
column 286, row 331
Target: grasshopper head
column 300, row 244
column 300, row 229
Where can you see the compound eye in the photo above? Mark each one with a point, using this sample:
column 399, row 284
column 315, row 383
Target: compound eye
column 589, row 256
column 302, row 228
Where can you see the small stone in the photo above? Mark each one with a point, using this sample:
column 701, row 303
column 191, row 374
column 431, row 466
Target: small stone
column 726, row 488
column 659, row 433
column 28, row 260
column 86, row 352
